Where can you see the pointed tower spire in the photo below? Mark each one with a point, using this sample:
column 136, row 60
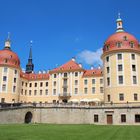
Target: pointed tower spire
column 30, row 65
column 8, row 42
column 30, row 54
column 119, row 24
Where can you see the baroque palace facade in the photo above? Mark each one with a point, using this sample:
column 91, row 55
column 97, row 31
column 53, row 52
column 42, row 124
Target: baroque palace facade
column 118, row 81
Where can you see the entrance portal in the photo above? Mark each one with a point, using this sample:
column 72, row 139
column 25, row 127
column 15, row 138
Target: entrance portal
column 65, row 100
column 109, row 119
column 28, row 117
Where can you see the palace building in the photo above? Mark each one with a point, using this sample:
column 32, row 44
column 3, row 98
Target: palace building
column 117, row 81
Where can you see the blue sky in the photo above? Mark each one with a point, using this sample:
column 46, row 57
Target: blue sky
column 62, row 29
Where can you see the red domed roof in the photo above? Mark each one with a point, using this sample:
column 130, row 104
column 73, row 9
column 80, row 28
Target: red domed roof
column 9, row 58
column 121, row 41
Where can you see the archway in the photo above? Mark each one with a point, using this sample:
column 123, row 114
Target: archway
column 28, row 117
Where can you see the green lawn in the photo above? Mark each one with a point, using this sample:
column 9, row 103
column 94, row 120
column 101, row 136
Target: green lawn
column 68, row 132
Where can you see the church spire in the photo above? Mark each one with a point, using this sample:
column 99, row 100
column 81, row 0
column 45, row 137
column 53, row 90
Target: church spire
column 119, row 24
column 8, row 42
column 30, row 65
column 30, row 54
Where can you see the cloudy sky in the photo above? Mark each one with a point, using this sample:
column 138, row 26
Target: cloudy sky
column 62, row 29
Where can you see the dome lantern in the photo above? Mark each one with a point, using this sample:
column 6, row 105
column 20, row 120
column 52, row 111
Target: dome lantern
column 8, row 42
column 119, row 24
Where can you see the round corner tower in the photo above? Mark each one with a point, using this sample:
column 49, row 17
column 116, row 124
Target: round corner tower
column 9, row 74
column 121, row 67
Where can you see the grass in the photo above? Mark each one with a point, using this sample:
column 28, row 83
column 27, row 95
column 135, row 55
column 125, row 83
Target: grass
column 68, row 132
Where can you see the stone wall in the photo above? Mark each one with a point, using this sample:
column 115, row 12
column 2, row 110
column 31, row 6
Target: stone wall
column 57, row 115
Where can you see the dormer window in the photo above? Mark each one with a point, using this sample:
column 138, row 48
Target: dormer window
column 131, row 44
column 118, row 44
column 125, row 38
column 107, row 47
column 5, row 60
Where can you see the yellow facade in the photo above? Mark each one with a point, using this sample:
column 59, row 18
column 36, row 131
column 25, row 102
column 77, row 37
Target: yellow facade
column 56, row 90
column 118, row 81
column 129, row 68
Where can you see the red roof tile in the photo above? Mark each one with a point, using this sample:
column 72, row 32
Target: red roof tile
column 35, row 76
column 94, row 72
column 69, row 66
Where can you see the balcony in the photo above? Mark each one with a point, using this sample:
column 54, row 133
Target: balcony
column 64, row 95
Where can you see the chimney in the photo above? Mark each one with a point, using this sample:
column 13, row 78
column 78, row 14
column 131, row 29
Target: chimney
column 80, row 65
column 73, row 59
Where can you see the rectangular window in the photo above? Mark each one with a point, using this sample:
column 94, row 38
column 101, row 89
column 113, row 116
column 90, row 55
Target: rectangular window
column 76, row 90
column 85, row 82
column 65, row 82
column 85, row 90
column 30, row 85
column 76, row 82
column 135, row 96
column 21, row 91
column 133, row 67
column 30, row 92
column 93, row 90
column 65, row 75
column 107, row 59
column 137, row 118
column 120, row 78
column 134, row 80
column 4, row 87
column 54, row 83
column 41, row 84
column 46, row 91
column 101, row 90
column 121, row 97
column 15, row 72
column 14, row 88
column 101, row 81
column 93, row 81
column 108, row 98
column 41, row 92
column 96, row 118
column 123, row 118
column 5, row 70
column 26, row 84
column 76, row 74
column 47, row 84
column 119, row 56
column 120, row 67
column 107, row 69
column 35, row 84
column 54, row 76
column 108, row 81
column 54, row 91
column 25, row 92
column 133, row 56
column 4, row 78
column 22, row 83
column 15, row 80
column 35, row 92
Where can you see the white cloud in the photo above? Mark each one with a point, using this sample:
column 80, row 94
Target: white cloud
column 91, row 57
